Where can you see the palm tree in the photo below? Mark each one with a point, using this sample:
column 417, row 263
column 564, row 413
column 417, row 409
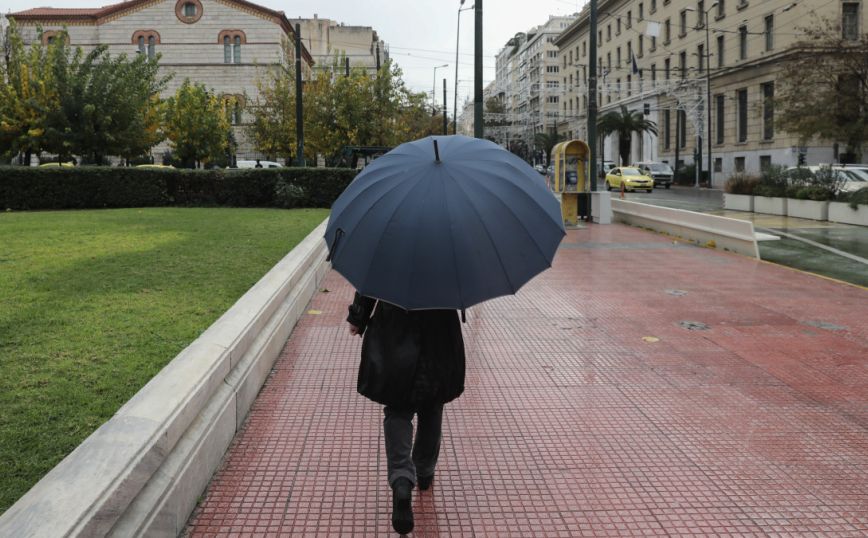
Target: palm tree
column 548, row 141
column 625, row 123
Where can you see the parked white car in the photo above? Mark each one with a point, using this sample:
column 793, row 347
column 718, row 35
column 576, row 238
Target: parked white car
column 252, row 164
column 852, row 179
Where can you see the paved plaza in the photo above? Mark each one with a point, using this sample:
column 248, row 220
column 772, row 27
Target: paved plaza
column 641, row 387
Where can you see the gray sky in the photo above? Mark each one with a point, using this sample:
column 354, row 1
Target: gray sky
column 420, row 33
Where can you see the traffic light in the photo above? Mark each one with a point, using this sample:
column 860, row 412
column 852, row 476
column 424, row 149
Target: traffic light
column 646, row 108
column 801, row 159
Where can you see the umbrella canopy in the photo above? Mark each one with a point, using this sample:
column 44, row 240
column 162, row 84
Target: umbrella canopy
column 444, row 222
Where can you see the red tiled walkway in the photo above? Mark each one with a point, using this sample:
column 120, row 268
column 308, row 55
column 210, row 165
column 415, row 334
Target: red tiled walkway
column 573, row 422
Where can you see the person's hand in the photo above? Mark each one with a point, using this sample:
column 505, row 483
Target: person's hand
column 353, row 329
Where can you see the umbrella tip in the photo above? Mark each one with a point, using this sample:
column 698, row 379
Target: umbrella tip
column 436, row 151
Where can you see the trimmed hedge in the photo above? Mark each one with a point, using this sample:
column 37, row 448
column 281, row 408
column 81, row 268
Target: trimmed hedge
column 24, row 188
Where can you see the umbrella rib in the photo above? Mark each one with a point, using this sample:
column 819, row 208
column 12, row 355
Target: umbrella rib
column 386, row 227
column 482, row 185
column 487, row 232
column 362, row 217
column 517, row 169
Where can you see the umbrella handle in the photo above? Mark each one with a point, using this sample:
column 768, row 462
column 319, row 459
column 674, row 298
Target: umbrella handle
column 338, row 234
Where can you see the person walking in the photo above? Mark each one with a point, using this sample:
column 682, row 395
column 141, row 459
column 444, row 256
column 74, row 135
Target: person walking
column 412, row 363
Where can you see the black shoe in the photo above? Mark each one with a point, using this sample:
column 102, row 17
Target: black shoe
column 402, row 509
column 424, row 482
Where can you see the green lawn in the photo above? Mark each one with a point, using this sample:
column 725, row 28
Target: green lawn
column 94, row 303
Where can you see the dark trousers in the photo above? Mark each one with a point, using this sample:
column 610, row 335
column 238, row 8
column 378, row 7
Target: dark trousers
column 405, row 458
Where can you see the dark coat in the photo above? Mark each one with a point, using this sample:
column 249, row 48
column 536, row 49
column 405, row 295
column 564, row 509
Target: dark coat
column 410, row 359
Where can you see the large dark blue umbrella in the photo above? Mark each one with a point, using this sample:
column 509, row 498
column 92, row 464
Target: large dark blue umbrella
column 444, row 222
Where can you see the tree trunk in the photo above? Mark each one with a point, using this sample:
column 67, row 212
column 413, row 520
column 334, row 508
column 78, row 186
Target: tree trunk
column 624, row 144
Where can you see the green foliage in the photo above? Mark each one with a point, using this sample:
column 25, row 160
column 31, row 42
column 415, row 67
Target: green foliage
column 65, row 102
column 741, row 183
column 624, row 123
column 772, row 183
column 803, row 184
column 339, row 110
column 28, row 93
column 855, row 199
column 273, row 127
column 24, row 188
column 97, row 302
column 196, row 122
column 821, row 90
column 548, row 141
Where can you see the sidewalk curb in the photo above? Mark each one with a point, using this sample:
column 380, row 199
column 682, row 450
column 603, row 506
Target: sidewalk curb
column 141, row 472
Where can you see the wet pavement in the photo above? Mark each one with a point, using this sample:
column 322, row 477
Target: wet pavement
column 640, row 387
column 789, row 251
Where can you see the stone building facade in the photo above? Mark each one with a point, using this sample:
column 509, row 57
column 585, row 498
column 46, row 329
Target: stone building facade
column 528, row 84
column 660, row 53
column 223, row 44
column 325, row 39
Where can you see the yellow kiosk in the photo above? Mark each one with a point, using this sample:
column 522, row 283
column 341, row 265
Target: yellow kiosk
column 571, row 178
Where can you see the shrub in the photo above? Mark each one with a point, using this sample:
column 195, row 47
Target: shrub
column 772, row 182
column 27, row 188
column 809, row 192
column 855, row 199
column 741, row 183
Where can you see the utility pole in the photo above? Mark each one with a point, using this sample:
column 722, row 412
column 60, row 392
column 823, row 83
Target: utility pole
column 347, row 68
column 592, row 98
column 378, row 57
column 708, row 93
column 677, row 137
column 478, row 126
column 299, row 110
column 445, row 122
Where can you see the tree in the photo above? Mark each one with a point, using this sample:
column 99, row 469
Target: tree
column 548, row 141
column 273, row 127
column 823, row 89
column 196, row 122
column 360, row 110
column 27, row 93
column 66, row 102
column 624, row 123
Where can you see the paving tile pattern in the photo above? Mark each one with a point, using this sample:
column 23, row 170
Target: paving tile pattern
column 574, row 423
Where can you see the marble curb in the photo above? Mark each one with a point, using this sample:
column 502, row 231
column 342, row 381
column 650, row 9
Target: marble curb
column 140, row 473
column 724, row 233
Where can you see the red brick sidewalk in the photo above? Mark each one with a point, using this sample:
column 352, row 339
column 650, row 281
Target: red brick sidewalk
column 574, row 421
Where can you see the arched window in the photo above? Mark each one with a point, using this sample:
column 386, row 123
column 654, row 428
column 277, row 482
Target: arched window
column 50, row 36
column 232, row 41
column 234, row 106
column 146, row 42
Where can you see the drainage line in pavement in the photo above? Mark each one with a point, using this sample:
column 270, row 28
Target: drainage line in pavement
column 815, row 244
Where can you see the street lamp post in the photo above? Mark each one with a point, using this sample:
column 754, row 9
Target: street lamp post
column 707, row 97
column 455, row 94
column 434, row 91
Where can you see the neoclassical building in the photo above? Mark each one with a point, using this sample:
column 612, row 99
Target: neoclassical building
column 658, row 55
column 224, row 44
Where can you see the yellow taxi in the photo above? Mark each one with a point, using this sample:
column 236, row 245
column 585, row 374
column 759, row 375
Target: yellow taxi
column 632, row 179
column 57, row 165
column 156, row 166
